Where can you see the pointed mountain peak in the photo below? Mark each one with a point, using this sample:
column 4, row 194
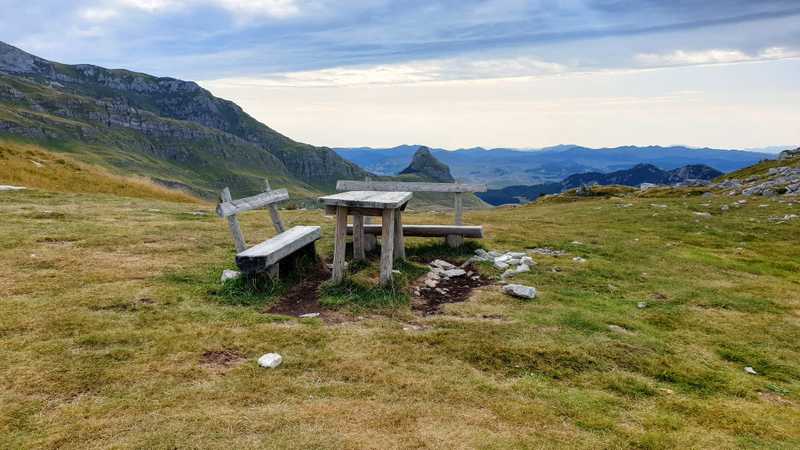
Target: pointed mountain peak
column 425, row 164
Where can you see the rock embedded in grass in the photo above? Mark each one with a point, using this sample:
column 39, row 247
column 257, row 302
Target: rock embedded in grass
column 229, row 275
column 270, row 360
column 520, row 291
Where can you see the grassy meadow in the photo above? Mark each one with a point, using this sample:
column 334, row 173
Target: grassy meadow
column 110, row 305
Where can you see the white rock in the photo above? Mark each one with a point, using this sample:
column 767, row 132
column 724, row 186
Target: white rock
column 503, row 258
column 500, row 265
column 527, row 260
column 518, row 290
column 516, row 254
column 494, row 254
column 641, row 305
column 522, row 268
column 508, row 273
column 454, row 273
column 750, row 370
column 579, row 259
column 270, row 360
column 513, row 261
column 6, row 187
column 431, row 283
column 229, row 275
column 308, row 315
column 444, row 265
column 396, row 271
column 646, row 186
column 657, row 205
column 702, row 214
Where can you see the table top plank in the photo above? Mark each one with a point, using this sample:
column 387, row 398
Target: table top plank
column 367, row 199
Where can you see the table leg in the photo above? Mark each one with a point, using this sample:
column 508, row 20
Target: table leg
column 358, row 237
column 339, row 244
column 399, row 240
column 387, row 246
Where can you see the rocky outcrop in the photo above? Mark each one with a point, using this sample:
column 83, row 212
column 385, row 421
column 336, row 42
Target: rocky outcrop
column 425, row 165
column 645, row 173
column 161, row 107
column 789, row 154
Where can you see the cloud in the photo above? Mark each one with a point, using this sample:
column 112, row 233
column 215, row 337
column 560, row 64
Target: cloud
column 712, row 56
column 449, row 69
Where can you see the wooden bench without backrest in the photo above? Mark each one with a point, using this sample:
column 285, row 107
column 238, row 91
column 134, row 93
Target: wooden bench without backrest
column 454, row 234
column 268, row 254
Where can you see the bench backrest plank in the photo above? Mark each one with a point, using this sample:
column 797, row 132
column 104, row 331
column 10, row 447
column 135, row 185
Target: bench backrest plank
column 231, row 207
column 411, row 186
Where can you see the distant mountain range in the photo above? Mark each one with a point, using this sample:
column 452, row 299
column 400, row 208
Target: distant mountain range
column 172, row 131
column 635, row 176
column 503, row 167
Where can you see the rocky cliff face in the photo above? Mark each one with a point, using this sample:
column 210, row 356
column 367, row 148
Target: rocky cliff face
column 163, row 110
column 425, row 165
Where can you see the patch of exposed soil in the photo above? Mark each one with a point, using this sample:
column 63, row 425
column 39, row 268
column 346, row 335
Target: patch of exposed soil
column 222, row 358
column 303, row 298
column 450, row 290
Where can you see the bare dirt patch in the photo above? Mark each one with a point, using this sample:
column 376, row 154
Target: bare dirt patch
column 222, row 358
column 450, row 290
column 303, row 298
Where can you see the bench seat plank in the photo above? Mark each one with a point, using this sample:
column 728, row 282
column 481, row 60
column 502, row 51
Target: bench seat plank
column 467, row 231
column 272, row 250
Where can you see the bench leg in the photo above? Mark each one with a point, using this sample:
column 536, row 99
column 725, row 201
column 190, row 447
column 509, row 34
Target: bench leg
column 399, row 240
column 339, row 244
column 358, row 237
column 387, row 246
column 274, row 272
column 454, row 240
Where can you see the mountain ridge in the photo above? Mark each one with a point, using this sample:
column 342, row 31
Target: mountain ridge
column 102, row 100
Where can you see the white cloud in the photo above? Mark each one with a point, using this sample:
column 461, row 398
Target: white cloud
column 242, row 10
column 711, row 56
column 412, row 72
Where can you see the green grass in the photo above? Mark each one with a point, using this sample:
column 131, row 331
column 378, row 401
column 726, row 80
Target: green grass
column 107, row 305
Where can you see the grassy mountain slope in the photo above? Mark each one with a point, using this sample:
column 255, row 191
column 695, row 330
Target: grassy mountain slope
column 32, row 166
column 111, row 323
column 161, row 127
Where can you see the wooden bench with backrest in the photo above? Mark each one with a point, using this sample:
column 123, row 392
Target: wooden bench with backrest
column 453, row 234
column 267, row 255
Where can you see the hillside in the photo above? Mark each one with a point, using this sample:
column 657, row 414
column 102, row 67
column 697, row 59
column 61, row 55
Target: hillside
column 112, row 314
column 170, row 130
column 425, row 167
column 505, row 167
column 31, row 166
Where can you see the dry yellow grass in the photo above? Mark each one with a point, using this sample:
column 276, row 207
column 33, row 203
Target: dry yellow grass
column 108, row 304
column 32, row 166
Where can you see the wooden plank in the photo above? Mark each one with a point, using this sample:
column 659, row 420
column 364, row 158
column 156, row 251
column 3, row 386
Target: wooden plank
column 339, row 244
column 367, row 199
column 459, row 207
column 395, row 186
column 399, row 242
column 467, row 231
column 387, row 247
column 269, row 252
column 358, row 237
column 277, row 222
column 231, row 207
column 330, row 210
column 233, row 224
column 369, row 239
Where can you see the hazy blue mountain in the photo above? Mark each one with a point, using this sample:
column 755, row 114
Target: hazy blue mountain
column 505, row 167
column 636, row 175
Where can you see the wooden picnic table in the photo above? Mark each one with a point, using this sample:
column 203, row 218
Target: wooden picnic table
column 387, row 205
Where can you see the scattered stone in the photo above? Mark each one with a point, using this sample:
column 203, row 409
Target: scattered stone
column 578, row 259
column 500, row 265
column 516, row 255
column 270, row 360
column 577, row 243
column 431, row 283
column 527, row 260
column 444, row 265
column 646, row 186
column 520, row 291
column 750, row 370
column 641, row 305
column 783, row 219
column 725, row 207
column 454, row 273
column 229, row 275
column 547, row 251
column 395, row 271
column 6, row 187
column 702, row 214
column 308, row 315
column 503, row 258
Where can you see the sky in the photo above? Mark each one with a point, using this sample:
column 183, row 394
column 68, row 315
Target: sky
column 457, row 73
